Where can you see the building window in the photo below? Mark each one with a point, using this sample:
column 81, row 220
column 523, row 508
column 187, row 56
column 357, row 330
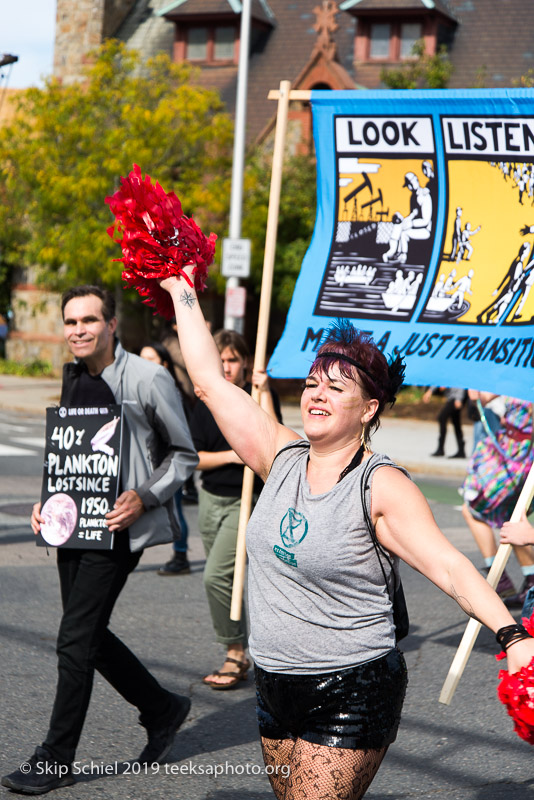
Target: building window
column 379, row 41
column 197, row 44
column 392, row 41
column 224, row 43
column 211, row 44
column 410, row 33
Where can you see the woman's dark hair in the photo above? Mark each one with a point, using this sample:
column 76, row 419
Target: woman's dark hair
column 163, row 354
column 167, row 363
column 351, row 350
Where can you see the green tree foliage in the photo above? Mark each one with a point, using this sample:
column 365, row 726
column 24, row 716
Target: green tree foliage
column 424, row 72
column 68, row 145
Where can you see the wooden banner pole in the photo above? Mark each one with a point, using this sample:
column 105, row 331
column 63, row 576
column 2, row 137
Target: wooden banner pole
column 497, row 568
column 261, row 337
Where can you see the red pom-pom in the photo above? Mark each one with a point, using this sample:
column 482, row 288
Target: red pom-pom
column 516, row 692
column 157, row 240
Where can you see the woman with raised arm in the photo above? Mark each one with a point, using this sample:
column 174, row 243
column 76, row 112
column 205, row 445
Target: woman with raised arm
column 330, row 679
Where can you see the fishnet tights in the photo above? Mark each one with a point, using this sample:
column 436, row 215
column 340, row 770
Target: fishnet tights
column 318, row 772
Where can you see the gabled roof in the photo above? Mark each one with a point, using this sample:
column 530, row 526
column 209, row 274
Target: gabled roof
column 364, row 7
column 260, row 9
column 494, row 43
column 491, row 42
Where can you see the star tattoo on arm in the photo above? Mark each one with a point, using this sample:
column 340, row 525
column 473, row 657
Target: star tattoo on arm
column 187, row 299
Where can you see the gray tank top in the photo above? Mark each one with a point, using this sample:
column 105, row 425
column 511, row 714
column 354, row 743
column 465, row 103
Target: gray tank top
column 316, row 592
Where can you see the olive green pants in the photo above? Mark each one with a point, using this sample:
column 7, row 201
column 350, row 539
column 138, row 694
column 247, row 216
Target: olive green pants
column 218, row 520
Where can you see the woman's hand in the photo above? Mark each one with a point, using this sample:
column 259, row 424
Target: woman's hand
column 260, row 380
column 519, row 655
column 168, row 284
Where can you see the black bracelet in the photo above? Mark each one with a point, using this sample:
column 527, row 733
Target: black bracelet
column 511, row 634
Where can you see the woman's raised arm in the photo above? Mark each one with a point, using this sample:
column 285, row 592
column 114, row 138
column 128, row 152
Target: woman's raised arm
column 251, row 433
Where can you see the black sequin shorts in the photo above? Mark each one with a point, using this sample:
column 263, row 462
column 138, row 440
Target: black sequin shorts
column 357, row 708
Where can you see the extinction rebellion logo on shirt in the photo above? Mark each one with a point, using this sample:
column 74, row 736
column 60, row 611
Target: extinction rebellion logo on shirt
column 293, row 529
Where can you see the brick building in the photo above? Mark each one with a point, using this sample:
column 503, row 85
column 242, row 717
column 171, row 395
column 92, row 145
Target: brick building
column 312, row 43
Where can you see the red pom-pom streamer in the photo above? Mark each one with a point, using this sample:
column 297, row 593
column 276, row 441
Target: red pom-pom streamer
column 516, row 692
column 157, row 240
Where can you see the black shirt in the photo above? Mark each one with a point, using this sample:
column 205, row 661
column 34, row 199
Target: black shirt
column 225, row 481
column 82, row 389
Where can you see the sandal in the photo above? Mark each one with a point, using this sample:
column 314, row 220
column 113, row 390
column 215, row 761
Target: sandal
column 240, row 675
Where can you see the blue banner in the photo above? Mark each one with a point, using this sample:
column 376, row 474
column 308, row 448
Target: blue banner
column 424, row 235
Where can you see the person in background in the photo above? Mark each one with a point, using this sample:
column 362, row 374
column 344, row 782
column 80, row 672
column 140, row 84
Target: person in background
column 521, row 533
column 493, row 409
column 3, row 336
column 179, row 563
column 495, row 474
column 452, row 410
column 156, row 458
column 183, row 381
column 219, row 507
column 330, row 680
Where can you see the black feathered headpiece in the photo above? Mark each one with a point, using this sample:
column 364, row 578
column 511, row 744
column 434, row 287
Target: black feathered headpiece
column 343, row 333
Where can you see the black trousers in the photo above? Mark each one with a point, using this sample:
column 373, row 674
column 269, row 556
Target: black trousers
column 449, row 411
column 91, row 581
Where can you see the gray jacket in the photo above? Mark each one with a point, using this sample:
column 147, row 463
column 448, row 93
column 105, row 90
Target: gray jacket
column 157, row 452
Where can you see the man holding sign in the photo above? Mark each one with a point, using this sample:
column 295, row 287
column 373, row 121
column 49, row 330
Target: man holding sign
column 157, row 456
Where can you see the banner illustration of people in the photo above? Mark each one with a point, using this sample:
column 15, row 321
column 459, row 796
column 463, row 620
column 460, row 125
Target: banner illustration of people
column 385, row 220
column 424, row 234
column 499, row 286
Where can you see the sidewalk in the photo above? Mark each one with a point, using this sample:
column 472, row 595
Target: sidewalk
column 28, row 395
column 407, row 441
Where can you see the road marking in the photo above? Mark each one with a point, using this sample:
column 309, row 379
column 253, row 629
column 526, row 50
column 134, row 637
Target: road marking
column 8, row 450
column 32, row 441
column 8, row 426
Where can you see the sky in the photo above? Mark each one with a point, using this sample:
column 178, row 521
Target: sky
column 27, row 31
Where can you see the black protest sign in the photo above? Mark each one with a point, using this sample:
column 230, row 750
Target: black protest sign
column 81, row 476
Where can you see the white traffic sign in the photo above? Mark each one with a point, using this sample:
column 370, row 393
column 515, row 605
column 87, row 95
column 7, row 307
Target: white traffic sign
column 236, row 258
column 235, row 302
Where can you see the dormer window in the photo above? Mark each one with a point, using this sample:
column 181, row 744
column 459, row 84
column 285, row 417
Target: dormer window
column 393, row 41
column 209, row 43
column 410, row 33
column 207, row 31
column 387, row 30
column 379, row 40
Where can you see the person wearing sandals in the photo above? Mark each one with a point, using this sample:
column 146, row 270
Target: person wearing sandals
column 219, row 504
column 330, row 679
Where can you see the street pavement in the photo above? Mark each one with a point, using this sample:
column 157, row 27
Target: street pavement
column 465, row 751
